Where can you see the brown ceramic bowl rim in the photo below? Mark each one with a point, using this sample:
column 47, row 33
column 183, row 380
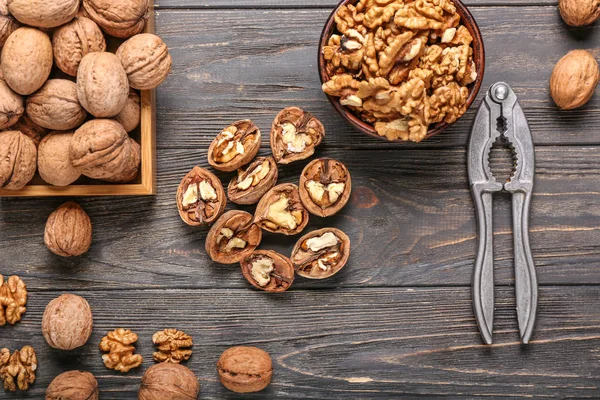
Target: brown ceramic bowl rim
column 478, row 57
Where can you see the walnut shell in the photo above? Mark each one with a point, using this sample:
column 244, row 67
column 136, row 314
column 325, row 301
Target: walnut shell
column 73, row 41
column 19, row 155
column 102, row 85
column 43, row 13
column 146, row 60
column 325, row 186
column 281, row 211
column 169, row 381
column 253, row 181
column 54, row 164
column 30, row 128
column 130, row 168
column 232, row 237
column 73, row 385
column 294, row 135
column 245, row 369
column 320, row 254
column 56, row 106
column 11, row 106
column 579, row 12
column 67, row 322
column 268, row 270
column 574, row 79
column 101, row 149
column 235, row 146
column 68, row 231
column 7, row 23
column 130, row 115
column 27, row 60
column 118, row 18
column 200, row 197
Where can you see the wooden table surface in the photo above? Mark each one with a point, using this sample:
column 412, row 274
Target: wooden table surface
column 398, row 320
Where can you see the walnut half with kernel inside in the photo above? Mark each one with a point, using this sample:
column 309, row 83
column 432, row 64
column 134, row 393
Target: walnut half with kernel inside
column 294, row 135
column 325, row 186
column 235, row 146
column 232, row 237
column 281, row 210
column 322, row 253
column 200, row 197
column 268, row 270
column 252, row 182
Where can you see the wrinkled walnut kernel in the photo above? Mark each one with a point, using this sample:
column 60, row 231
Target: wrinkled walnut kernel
column 252, row 182
column 294, row 135
column 119, row 345
column 320, row 254
column 235, row 146
column 281, row 210
column 200, row 197
column 325, row 186
column 232, row 237
column 267, row 270
column 13, row 298
column 171, row 345
column 18, row 370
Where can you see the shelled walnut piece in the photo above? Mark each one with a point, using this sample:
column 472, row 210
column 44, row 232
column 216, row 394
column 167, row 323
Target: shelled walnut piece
column 400, row 66
column 252, row 182
column 281, row 210
column 294, row 135
column 119, row 345
column 200, row 197
column 172, row 346
column 325, row 186
column 320, row 254
column 13, row 298
column 232, row 237
column 18, row 370
column 268, row 270
column 235, row 146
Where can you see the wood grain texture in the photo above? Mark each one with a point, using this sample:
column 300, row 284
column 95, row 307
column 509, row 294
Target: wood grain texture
column 300, row 4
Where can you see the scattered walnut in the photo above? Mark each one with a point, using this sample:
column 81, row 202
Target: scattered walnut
column 19, row 157
column 294, row 135
column 119, row 345
column 130, row 115
column 232, row 237
column 252, row 182
column 245, row 369
column 574, row 79
column 169, row 381
column 267, row 270
column 67, row 322
column 68, row 231
column 73, row 385
column 13, row 298
column 73, row 41
column 55, row 106
column 321, row 253
column 200, row 197
column 118, row 18
column 43, row 13
column 579, row 12
column 31, row 129
column 281, row 210
column 325, row 186
column 146, row 60
column 11, row 106
column 18, row 370
column 235, row 146
column 171, row 345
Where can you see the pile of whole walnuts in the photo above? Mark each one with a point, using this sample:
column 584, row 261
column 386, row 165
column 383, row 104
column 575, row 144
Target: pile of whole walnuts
column 77, row 122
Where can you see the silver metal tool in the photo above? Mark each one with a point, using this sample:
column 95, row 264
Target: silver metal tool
column 500, row 115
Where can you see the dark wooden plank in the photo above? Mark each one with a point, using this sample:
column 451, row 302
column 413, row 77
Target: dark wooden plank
column 411, row 221
column 253, row 63
column 376, row 343
column 296, row 4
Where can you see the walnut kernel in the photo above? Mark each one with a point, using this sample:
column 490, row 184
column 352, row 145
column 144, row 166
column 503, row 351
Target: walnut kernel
column 119, row 346
column 172, row 346
column 268, row 270
column 13, row 298
column 18, row 370
column 281, row 210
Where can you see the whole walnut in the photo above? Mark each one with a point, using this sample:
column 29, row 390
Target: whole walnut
column 56, row 106
column 102, row 85
column 130, row 168
column 130, row 115
column 27, row 60
column 146, row 60
column 73, row 385
column 119, row 18
column 19, row 159
column 579, row 12
column 68, row 231
column 245, row 369
column 101, row 149
column 30, row 128
column 43, row 13
column 54, row 164
column 11, row 106
column 7, row 23
column 574, row 79
column 73, row 41
column 169, row 381
column 67, row 322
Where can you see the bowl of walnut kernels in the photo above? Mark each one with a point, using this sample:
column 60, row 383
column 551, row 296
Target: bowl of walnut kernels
column 401, row 70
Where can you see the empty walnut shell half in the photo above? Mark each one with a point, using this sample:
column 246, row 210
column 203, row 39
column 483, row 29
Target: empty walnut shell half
column 200, row 197
column 19, row 160
column 235, row 146
column 294, row 135
column 232, row 237
column 325, row 186
column 68, row 231
column 322, row 253
column 281, row 210
column 268, row 270
column 252, row 182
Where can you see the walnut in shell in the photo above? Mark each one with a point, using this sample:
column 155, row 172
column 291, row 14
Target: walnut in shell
column 55, row 106
column 68, row 231
column 7, row 23
column 131, row 167
column 325, row 186
column 146, row 60
column 44, row 13
column 73, row 385
column 118, row 18
column 102, row 85
column 268, row 270
column 26, row 60
column 30, row 128
column 130, row 115
column 320, row 254
column 73, row 41
column 253, row 181
column 232, row 237
column 294, row 135
column 579, row 12
column 281, row 210
column 235, row 146
column 169, row 381
column 200, row 197
column 54, row 164
column 244, row 369
column 19, row 159
column 67, row 322
column 574, row 79
column 11, row 106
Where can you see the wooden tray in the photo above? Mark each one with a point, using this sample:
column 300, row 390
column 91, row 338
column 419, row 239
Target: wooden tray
column 145, row 135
